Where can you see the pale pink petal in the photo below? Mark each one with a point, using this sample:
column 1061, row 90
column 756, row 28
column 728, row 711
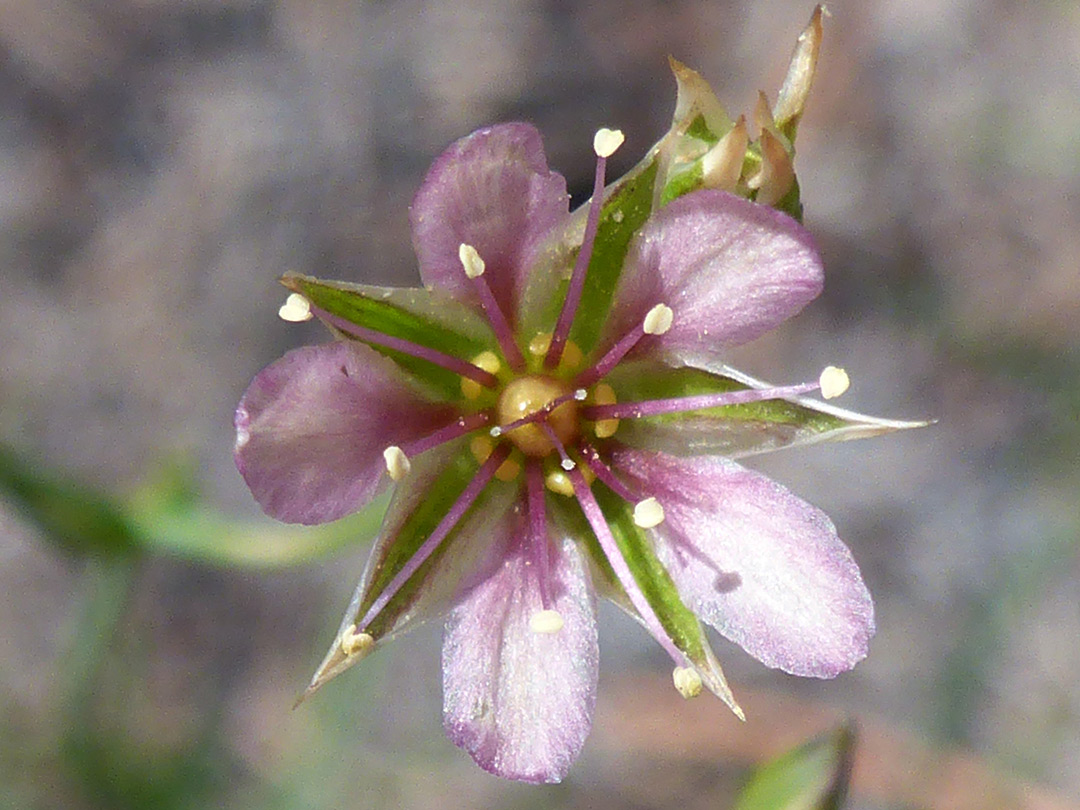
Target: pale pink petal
column 730, row 270
column 492, row 190
column 311, row 429
column 763, row 567
column 521, row 702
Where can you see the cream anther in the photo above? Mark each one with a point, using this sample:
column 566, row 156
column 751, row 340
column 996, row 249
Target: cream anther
column 546, row 622
column 470, row 260
column 354, row 643
column 397, row 463
column 296, row 309
column 833, row 381
column 658, row 320
column 606, row 141
column 687, row 681
column 648, row 513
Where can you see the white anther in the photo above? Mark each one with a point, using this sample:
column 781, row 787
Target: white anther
column 606, row 141
column 470, row 260
column 397, row 463
column 567, row 464
column 496, row 432
column 687, row 681
column 296, row 309
column 546, row 622
column 833, row 381
column 581, row 394
column 658, row 320
column 354, row 643
column 648, row 513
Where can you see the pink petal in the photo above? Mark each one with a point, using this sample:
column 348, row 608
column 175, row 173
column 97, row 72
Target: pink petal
column 521, row 702
column 492, row 190
column 312, row 427
column 763, row 567
column 730, row 269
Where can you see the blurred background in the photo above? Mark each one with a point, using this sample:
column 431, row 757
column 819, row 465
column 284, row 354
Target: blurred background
column 163, row 161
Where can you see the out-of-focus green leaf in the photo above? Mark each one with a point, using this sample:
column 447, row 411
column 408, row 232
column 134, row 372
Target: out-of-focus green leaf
column 167, row 517
column 814, row 776
column 204, row 535
column 77, row 518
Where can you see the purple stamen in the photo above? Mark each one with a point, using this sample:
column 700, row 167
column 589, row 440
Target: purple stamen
column 604, row 473
column 459, row 427
column 581, row 265
column 499, row 324
column 567, row 462
column 600, row 527
column 634, row 410
column 611, row 359
column 534, row 480
column 446, row 525
column 434, row 356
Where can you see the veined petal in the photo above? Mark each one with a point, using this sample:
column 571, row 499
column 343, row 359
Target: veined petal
column 520, row 701
column 763, row 567
column 492, row 190
column 730, row 270
column 312, row 426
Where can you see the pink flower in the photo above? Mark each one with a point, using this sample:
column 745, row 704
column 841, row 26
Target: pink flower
column 553, row 408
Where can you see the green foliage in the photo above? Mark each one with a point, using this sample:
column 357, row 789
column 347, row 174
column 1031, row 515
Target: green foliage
column 167, row 517
column 813, row 776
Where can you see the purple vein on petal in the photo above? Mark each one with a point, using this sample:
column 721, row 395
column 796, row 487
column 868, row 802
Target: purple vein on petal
column 600, row 528
column 459, row 427
column 434, row 356
column 534, row 481
column 450, row 520
column 581, row 266
column 654, row 407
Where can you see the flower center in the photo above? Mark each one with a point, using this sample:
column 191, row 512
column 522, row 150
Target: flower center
column 527, row 395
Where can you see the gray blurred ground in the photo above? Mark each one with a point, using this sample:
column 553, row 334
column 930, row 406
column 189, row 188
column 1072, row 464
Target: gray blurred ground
column 163, row 161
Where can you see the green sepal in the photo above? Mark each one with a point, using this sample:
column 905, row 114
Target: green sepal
column 678, row 621
column 813, row 776
column 422, row 500
column 735, row 431
column 426, row 317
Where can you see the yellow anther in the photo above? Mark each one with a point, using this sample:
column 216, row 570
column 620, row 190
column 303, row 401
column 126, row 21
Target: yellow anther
column 354, row 643
column 296, row 309
column 559, row 483
column 833, row 381
column 648, row 513
column 606, row 141
column 546, row 622
column 481, row 447
column 470, row 260
column 487, row 361
column 658, row 320
column 571, row 357
column 508, row 470
column 397, row 463
column 687, row 681
column 604, row 394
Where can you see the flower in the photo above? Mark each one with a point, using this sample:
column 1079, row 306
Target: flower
column 553, row 410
